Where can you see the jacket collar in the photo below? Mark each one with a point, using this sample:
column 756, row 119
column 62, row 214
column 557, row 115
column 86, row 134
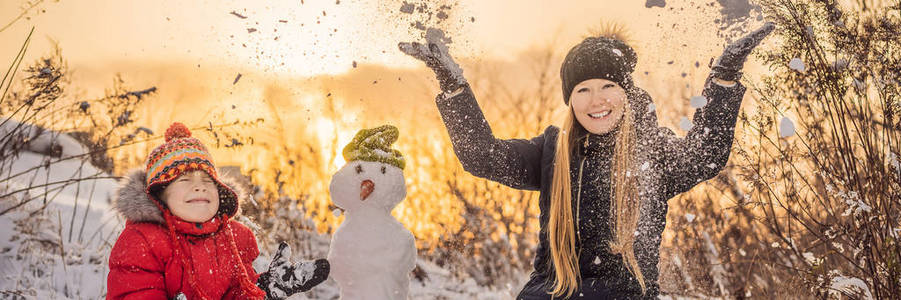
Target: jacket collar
column 133, row 202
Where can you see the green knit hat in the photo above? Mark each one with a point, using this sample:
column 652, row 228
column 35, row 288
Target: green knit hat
column 374, row 144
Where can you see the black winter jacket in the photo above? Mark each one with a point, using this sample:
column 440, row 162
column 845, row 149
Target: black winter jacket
column 668, row 165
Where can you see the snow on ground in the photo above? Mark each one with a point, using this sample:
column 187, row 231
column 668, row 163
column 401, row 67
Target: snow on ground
column 437, row 286
column 62, row 251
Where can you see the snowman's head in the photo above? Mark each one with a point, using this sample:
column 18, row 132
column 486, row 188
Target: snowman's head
column 368, row 185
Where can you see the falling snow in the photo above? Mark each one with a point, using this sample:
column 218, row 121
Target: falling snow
column 796, row 64
column 698, row 102
column 655, row 3
column 685, row 124
column 786, row 127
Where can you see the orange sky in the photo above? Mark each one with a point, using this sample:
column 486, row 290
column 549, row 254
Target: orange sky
column 304, row 84
column 192, row 51
column 205, row 33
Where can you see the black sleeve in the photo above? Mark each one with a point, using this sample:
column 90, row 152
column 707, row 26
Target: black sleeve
column 704, row 151
column 514, row 162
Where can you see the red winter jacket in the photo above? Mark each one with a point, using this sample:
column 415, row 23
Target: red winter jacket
column 144, row 265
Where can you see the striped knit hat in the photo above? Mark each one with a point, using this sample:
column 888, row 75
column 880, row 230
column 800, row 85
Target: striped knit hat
column 182, row 153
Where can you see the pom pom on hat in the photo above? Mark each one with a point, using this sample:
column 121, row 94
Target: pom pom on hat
column 176, row 131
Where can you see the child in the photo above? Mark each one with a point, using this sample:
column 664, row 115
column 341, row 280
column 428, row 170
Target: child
column 179, row 240
column 605, row 176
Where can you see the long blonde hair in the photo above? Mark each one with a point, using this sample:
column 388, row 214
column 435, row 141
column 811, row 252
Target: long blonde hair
column 624, row 206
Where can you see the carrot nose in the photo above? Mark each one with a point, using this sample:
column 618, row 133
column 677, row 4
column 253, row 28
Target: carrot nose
column 366, row 188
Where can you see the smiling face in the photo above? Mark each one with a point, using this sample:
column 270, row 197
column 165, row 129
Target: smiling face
column 598, row 104
column 364, row 184
column 193, row 197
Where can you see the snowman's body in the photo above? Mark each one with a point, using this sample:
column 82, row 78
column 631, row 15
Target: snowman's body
column 371, row 254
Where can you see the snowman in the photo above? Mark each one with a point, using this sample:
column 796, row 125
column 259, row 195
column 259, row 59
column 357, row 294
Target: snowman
column 371, row 254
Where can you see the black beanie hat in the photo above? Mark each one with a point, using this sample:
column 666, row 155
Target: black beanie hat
column 597, row 57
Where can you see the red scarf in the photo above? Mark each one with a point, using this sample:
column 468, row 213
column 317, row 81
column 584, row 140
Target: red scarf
column 174, row 224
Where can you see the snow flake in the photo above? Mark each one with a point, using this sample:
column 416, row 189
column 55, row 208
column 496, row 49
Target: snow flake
column 689, row 217
column 698, row 102
column 786, row 127
column 617, row 52
column 651, row 107
column 796, row 64
column 336, row 212
column 645, row 166
column 597, row 260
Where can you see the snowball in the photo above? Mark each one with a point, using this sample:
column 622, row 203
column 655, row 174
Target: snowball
column 617, row 52
column 651, row 107
column 645, row 166
column 786, row 127
column 796, row 64
column 698, row 102
column 742, row 252
column 689, row 217
column 685, row 124
column 597, row 260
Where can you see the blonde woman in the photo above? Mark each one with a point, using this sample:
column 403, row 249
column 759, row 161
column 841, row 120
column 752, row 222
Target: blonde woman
column 605, row 176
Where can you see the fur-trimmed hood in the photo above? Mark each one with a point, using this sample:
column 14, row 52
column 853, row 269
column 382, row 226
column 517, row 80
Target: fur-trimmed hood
column 132, row 201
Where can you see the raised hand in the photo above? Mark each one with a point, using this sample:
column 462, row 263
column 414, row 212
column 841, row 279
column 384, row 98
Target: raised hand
column 435, row 56
column 728, row 66
column 285, row 279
